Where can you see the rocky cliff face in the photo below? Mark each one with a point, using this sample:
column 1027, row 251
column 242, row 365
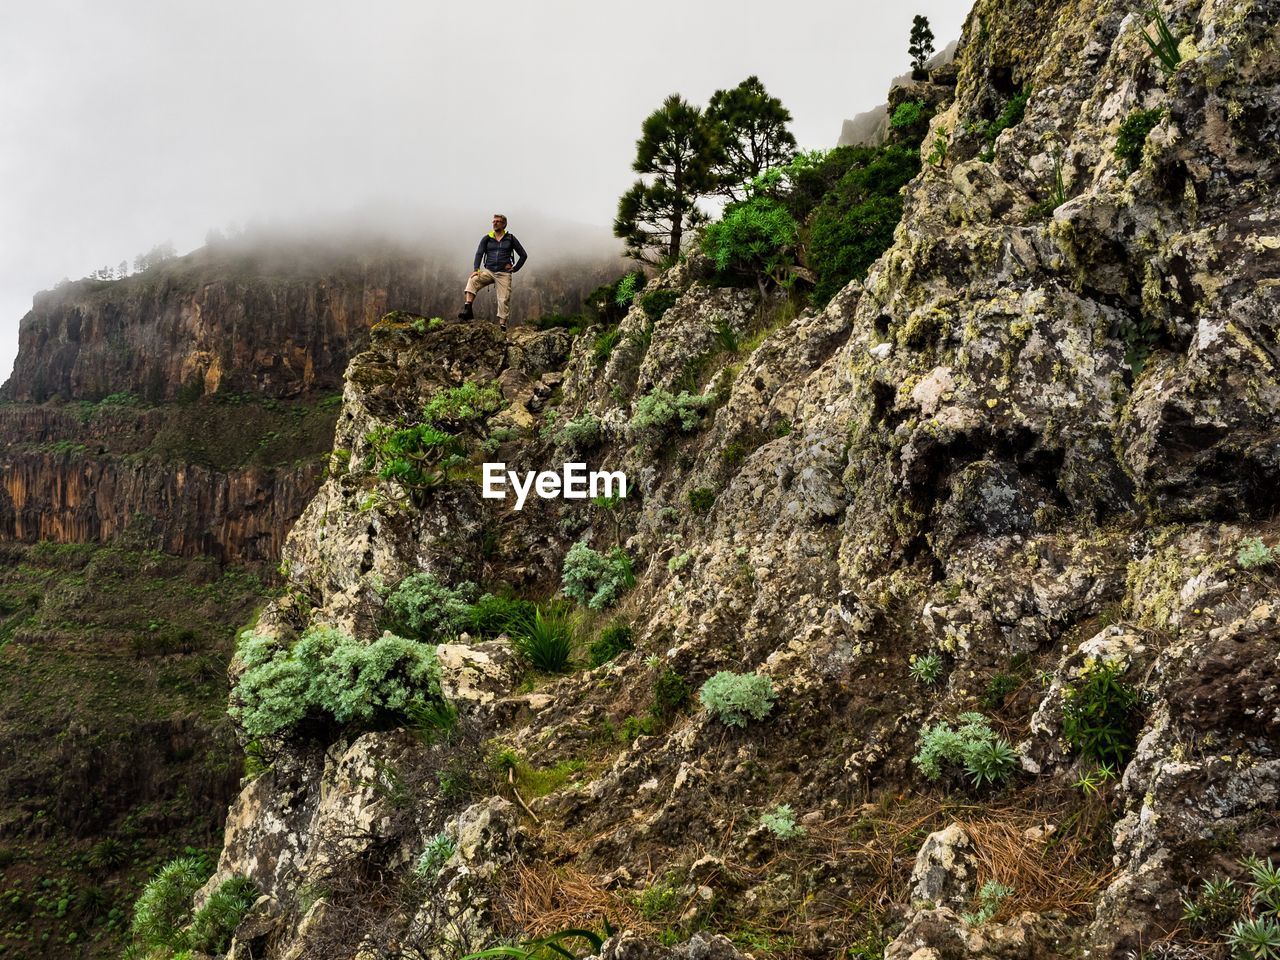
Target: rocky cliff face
column 278, row 322
column 219, row 479
column 1024, row 455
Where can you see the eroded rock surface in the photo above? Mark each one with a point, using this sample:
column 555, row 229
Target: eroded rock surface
column 1029, row 444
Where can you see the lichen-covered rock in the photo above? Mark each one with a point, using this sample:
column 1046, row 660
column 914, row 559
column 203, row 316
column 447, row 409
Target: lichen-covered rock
column 698, row 947
column 1029, row 443
column 942, row 935
column 945, row 869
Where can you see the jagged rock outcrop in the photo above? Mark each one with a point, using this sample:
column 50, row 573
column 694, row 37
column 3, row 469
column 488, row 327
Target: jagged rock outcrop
column 1028, row 445
column 871, row 127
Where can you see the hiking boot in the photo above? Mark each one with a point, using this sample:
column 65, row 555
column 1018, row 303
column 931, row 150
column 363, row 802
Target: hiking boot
column 466, row 313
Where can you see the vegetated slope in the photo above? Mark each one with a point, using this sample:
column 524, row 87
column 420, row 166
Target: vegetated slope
column 117, row 754
column 997, row 525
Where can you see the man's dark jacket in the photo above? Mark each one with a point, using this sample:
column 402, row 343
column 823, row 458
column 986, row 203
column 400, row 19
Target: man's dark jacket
column 498, row 254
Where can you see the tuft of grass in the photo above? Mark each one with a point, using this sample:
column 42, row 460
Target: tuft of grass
column 433, row 721
column 1164, row 46
column 613, row 640
column 926, row 669
column 602, row 349
column 545, row 639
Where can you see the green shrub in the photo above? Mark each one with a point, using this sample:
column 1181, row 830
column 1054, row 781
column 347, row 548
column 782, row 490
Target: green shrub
column 1254, row 553
column 802, row 183
column 1246, row 919
column 907, row 114
column 627, row 288
column 491, row 615
column 670, row 692
column 1217, row 904
column 497, row 438
column 1010, row 115
column 613, row 640
column 1264, row 883
column 659, row 903
column 163, row 909
column 657, row 303
column 459, row 406
column 756, row 238
column 679, row 561
column 1099, row 714
column 575, row 323
column 213, row 925
column 846, row 245
column 596, row 579
column 582, row 433
column 603, row 304
column 416, row 457
column 972, row 746
column 989, row 898
column 781, row 822
column 659, row 411
column 701, row 499
column 855, row 222
column 328, row 673
column 545, row 640
column 735, row 698
column 1133, row 136
column 423, row 608
column 434, row 856
column 1256, row 938
column 998, row 689
column 938, row 152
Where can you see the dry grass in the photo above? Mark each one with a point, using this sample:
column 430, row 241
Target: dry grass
column 543, row 900
column 1046, row 869
column 1046, row 848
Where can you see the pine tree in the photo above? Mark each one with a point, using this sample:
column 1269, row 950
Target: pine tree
column 753, row 134
column 675, row 155
column 921, row 47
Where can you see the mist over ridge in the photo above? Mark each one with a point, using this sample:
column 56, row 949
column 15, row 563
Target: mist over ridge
column 144, row 123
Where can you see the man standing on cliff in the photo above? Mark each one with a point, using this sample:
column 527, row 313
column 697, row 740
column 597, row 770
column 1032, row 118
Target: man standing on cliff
column 495, row 263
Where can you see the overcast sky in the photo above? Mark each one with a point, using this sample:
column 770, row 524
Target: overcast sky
column 140, row 121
